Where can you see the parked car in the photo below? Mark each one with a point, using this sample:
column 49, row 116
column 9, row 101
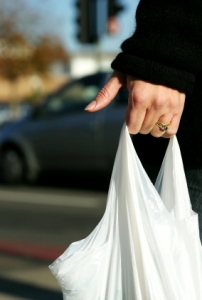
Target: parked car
column 9, row 113
column 60, row 136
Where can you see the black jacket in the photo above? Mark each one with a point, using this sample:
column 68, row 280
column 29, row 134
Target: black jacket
column 166, row 49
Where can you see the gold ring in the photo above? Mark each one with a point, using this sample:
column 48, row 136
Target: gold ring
column 161, row 126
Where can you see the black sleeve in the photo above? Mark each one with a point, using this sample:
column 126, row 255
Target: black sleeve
column 166, row 47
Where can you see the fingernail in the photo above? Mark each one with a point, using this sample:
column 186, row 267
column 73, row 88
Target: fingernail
column 90, row 105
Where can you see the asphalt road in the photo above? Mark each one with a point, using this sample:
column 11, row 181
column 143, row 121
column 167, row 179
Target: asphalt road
column 36, row 225
column 49, row 216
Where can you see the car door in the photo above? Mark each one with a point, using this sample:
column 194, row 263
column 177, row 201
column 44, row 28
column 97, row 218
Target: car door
column 62, row 134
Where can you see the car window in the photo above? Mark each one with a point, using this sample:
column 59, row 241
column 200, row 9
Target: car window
column 79, row 92
column 73, row 97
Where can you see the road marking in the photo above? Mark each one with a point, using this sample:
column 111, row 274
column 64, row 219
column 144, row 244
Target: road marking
column 51, row 199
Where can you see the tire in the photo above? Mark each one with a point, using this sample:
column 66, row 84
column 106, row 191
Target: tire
column 12, row 166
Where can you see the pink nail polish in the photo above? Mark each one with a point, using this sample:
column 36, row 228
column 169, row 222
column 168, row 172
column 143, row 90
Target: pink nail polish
column 90, row 105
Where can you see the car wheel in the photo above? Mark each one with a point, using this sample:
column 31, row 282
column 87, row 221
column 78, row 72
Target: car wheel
column 12, row 166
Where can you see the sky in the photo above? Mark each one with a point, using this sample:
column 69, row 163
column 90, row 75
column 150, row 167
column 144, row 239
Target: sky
column 65, row 11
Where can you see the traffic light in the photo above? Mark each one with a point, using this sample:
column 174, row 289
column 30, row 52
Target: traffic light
column 92, row 15
column 83, row 20
column 114, row 8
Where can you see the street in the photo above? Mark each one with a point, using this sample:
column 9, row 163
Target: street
column 23, row 279
column 36, row 225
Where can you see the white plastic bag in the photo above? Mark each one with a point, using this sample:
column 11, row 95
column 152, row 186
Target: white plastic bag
column 146, row 246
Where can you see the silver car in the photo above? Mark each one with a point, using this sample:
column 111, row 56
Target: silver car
column 60, row 136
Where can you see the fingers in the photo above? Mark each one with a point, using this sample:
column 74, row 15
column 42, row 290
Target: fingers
column 149, row 103
column 165, row 120
column 135, row 115
column 174, row 120
column 107, row 93
column 173, row 128
column 138, row 103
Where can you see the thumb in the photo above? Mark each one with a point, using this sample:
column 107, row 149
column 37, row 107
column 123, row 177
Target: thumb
column 106, row 94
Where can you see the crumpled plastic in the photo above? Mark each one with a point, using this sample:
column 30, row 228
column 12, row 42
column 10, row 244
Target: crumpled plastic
column 146, row 246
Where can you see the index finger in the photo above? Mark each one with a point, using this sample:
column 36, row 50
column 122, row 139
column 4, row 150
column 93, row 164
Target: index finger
column 107, row 93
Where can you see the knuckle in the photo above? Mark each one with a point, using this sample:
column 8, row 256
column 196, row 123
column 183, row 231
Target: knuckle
column 103, row 93
column 173, row 105
column 158, row 103
column 139, row 101
column 138, row 98
column 103, row 98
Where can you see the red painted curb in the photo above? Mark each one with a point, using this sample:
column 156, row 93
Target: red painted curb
column 31, row 250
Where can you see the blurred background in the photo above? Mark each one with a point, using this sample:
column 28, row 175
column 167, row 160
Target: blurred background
column 45, row 43
column 55, row 159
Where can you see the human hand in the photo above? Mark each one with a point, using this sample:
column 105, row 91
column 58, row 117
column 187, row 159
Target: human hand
column 147, row 104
